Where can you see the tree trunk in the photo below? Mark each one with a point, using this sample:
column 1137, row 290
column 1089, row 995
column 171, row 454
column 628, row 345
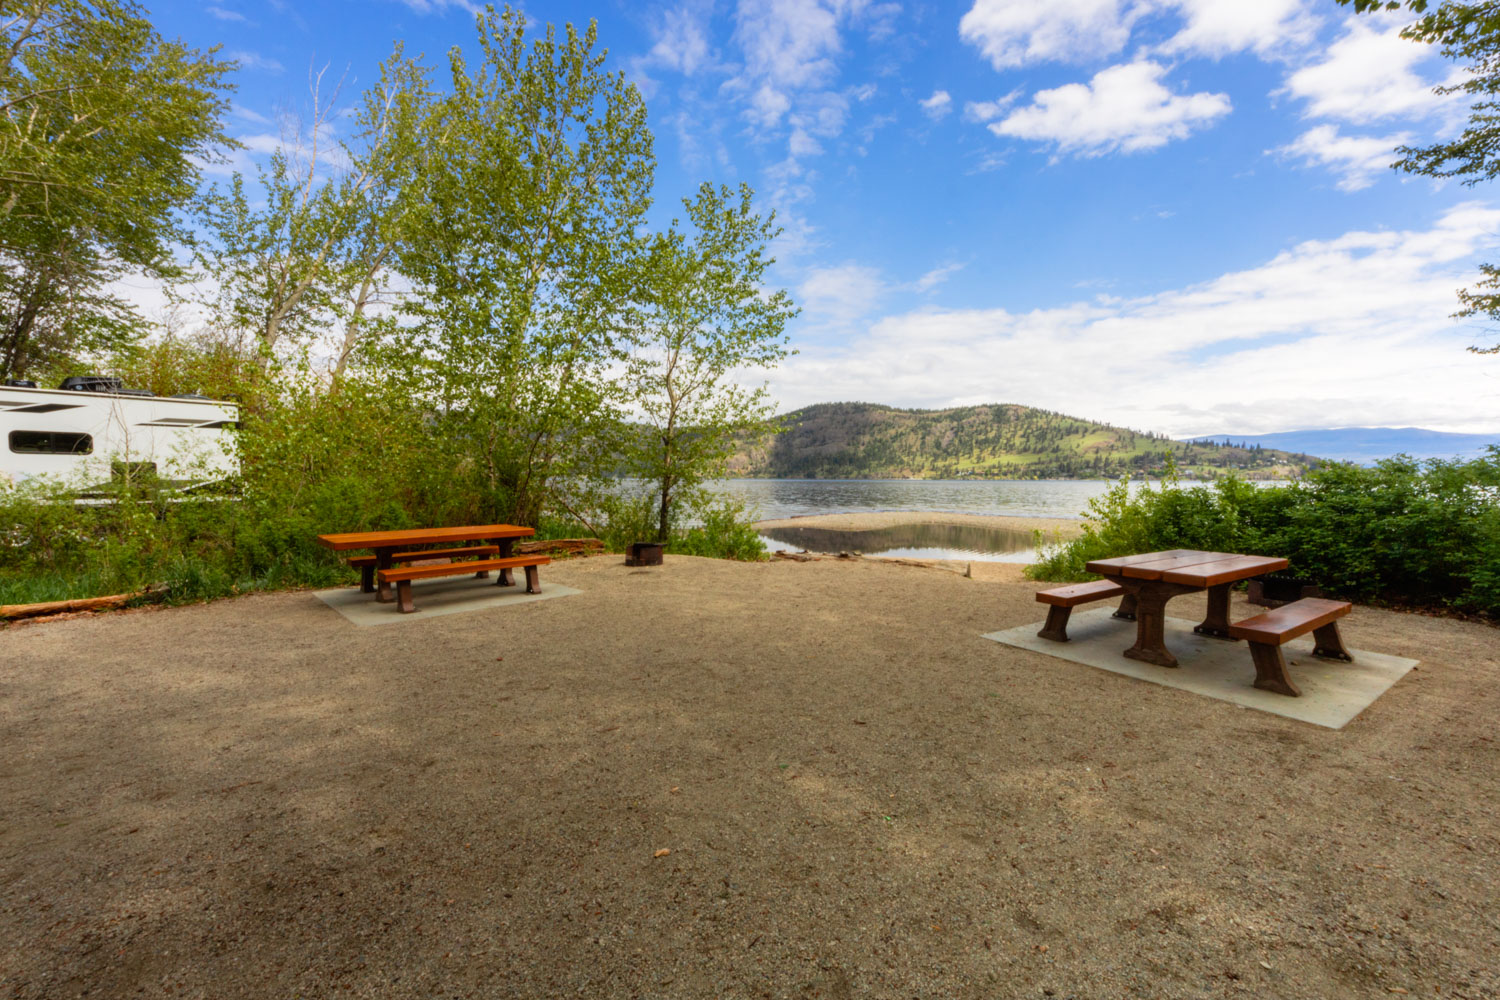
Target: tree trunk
column 664, row 528
column 14, row 359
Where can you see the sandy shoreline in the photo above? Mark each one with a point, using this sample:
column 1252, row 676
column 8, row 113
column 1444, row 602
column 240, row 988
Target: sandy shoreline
column 877, row 520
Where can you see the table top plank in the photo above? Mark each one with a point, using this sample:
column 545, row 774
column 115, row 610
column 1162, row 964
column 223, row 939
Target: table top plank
column 1230, row 569
column 1120, row 562
column 1155, row 570
column 421, row 536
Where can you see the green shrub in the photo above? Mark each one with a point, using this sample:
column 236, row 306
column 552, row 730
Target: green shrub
column 1401, row 532
column 723, row 532
column 364, row 458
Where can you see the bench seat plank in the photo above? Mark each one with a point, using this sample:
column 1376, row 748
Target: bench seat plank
column 1079, row 593
column 403, row 577
column 1064, row 599
column 397, row 574
column 1267, row 632
column 1287, row 622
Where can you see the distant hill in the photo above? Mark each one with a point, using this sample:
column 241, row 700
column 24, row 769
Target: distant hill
column 1366, row 445
column 1000, row 441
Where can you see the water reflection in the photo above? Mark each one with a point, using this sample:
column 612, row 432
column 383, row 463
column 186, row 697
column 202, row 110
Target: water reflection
column 911, row 541
column 768, row 499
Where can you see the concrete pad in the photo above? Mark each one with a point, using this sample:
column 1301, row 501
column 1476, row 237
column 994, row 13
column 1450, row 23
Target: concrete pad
column 441, row 596
column 1332, row 693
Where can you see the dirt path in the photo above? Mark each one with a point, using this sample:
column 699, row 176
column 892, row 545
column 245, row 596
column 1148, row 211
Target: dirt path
column 860, row 796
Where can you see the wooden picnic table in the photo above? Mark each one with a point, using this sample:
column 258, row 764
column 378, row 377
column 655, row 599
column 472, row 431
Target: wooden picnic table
column 386, row 543
column 1154, row 578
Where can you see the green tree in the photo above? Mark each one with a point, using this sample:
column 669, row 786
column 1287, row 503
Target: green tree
column 313, row 248
column 102, row 127
column 1467, row 33
column 703, row 316
column 521, row 243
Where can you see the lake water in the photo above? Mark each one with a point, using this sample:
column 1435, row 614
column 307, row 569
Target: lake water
column 769, row 499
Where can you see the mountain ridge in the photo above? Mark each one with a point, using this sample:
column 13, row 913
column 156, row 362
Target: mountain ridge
column 851, row 440
column 1367, row 444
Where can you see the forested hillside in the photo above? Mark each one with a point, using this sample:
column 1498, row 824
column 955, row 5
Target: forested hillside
column 1001, row 441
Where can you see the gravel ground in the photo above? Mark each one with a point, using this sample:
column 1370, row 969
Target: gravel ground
column 860, row 797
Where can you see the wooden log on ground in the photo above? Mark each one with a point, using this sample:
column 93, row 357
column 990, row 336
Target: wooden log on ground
column 11, row 611
column 565, row 546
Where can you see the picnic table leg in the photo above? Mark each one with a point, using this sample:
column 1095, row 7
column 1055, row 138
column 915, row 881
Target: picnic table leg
column 403, row 597
column 1126, row 610
column 367, row 578
column 1329, row 645
column 1270, row 670
column 1215, row 624
column 533, row 580
column 383, row 561
column 1151, row 619
column 506, row 546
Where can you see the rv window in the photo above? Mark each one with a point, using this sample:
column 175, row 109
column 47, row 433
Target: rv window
column 51, row 443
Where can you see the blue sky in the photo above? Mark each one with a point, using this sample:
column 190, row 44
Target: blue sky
column 1170, row 214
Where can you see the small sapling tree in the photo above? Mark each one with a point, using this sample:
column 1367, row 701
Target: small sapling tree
column 703, row 318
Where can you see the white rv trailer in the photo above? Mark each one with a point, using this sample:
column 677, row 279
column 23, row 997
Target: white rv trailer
column 89, row 431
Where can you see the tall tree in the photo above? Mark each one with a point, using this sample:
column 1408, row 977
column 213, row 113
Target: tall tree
column 312, row 249
column 1467, row 33
column 102, row 127
column 521, row 239
column 704, row 317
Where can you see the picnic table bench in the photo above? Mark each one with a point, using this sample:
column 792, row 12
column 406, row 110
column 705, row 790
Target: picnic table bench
column 366, row 564
column 402, row 578
column 1063, row 600
column 406, row 545
column 1266, row 633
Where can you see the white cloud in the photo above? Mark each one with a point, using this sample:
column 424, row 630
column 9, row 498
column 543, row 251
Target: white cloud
column 836, row 297
column 431, row 6
column 226, row 15
column 938, row 105
column 298, row 146
column 880, row 19
column 1218, row 28
column 1358, row 159
column 1124, row 108
column 680, row 46
column 790, row 50
column 682, row 42
column 935, row 277
column 988, row 111
column 240, row 111
column 254, row 60
column 1011, row 33
column 1368, row 74
column 1346, row 331
column 788, row 45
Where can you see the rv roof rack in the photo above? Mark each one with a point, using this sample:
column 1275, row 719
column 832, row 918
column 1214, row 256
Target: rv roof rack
column 99, row 383
column 19, row 383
